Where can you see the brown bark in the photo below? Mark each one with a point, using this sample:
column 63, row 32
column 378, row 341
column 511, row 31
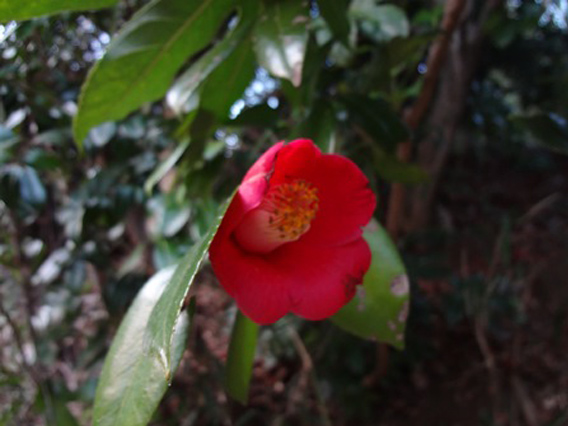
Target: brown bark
column 452, row 62
column 416, row 113
column 463, row 59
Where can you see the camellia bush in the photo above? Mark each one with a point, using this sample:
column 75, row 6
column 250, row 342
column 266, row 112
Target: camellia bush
column 298, row 234
column 262, row 136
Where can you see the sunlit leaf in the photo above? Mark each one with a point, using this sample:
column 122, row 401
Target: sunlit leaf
column 145, row 351
column 11, row 10
column 241, row 357
column 380, row 308
column 280, row 38
column 381, row 22
column 143, row 58
column 163, row 317
column 186, row 85
column 133, row 381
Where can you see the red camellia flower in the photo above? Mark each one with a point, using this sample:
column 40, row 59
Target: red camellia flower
column 291, row 240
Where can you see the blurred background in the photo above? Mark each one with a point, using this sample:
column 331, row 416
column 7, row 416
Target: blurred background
column 456, row 111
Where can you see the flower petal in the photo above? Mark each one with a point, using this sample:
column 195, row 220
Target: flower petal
column 254, row 184
column 259, row 287
column 314, row 283
column 322, row 280
column 346, row 203
column 250, row 193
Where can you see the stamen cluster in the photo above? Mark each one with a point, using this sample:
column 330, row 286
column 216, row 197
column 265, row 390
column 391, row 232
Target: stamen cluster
column 292, row 207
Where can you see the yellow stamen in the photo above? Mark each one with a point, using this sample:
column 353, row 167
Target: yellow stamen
column 292, row 207
column 284, row 216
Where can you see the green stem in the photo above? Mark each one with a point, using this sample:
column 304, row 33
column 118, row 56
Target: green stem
column 240, row 358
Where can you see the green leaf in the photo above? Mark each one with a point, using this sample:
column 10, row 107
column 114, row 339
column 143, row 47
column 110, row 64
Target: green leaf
column 377, row 119
column 31, row 187
column 169, row 214
column 163, row 317
column 549, row 129
column 380, row 308
column 165, row 166
column 132, row 382
column 145, row 351
column 380, row 22
column 335, row 14
column 319, row 126
column 143, row 58
column 42, row 159
column 11, row 10
column 233, row 76
column 258, row 116
column 62, row 415
column 240, row 358
column 186, row 86
column 405, row 51
column 281, row 37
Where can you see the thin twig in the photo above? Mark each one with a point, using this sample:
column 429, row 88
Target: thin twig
column 308, row 374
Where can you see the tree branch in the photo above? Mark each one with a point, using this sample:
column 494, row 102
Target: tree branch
column 416, row 113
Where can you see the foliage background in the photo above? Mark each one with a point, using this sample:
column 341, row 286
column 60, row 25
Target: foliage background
column 481, row 223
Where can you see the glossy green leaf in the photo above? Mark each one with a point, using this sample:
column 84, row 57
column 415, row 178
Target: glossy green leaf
column 163, row 317
column 11, row 10
column 380, row 308
column 549, row 129
column 144, row 57
column 335, row 14
column 280, row 38
column 240, row 358
column 377, row 119
column 185, row 89
column 145, row 351
column 133, row 380
column 233, row 76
